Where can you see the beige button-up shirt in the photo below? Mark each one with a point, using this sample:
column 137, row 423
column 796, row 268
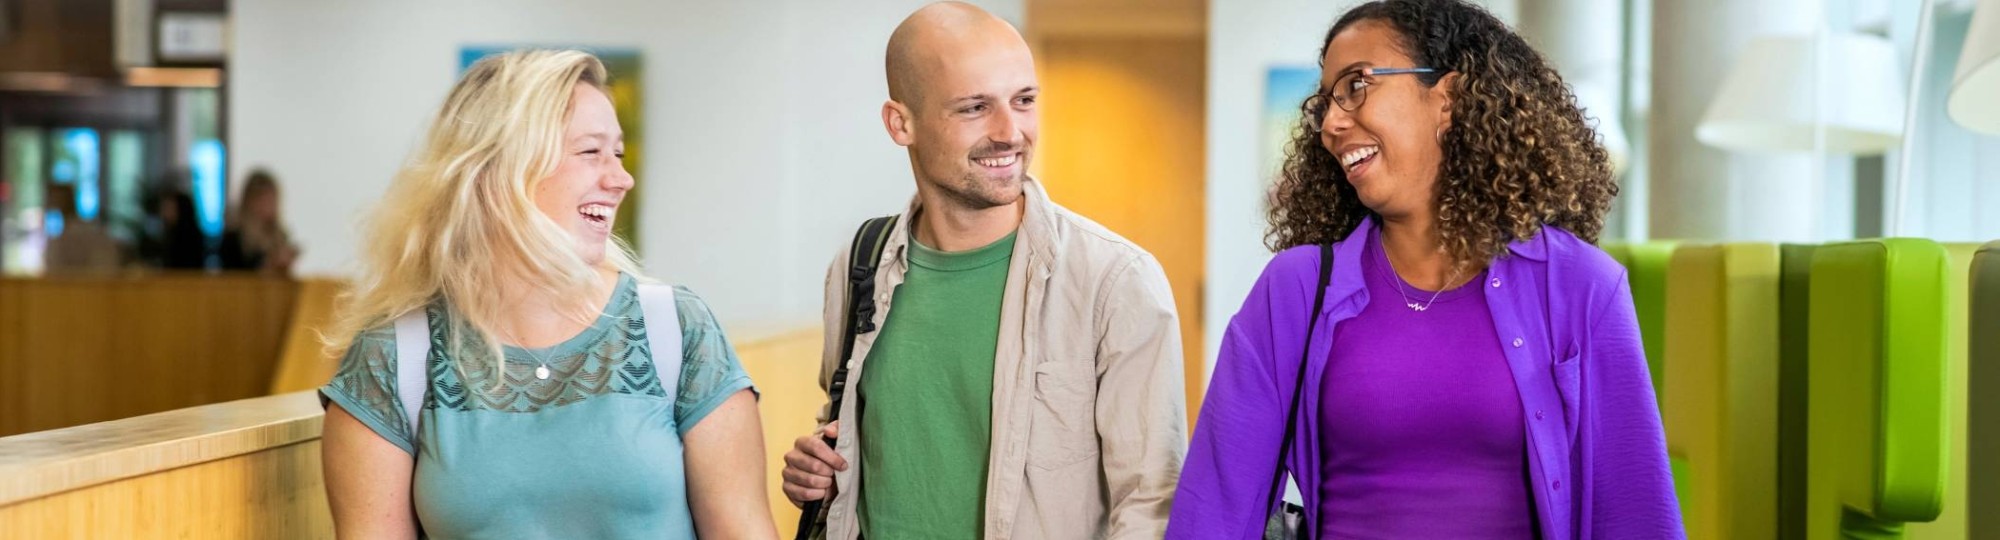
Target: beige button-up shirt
column 1089, row 421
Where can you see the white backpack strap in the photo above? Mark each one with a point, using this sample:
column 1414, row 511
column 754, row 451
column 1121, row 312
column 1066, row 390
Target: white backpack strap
column 663, row 334
column 413, row 350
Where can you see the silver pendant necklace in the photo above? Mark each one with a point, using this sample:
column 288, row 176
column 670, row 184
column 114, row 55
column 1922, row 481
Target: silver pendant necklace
column 1400, row 286
column 541, row 362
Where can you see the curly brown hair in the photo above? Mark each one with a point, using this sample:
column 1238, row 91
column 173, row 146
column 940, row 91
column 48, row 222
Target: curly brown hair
column 1519, row 154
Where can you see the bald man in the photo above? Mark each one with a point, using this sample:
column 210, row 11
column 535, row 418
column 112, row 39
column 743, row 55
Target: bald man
column 1026, row 378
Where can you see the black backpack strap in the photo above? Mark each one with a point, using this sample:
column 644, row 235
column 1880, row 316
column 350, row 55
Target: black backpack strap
column 862, row 258
column 1299, row 387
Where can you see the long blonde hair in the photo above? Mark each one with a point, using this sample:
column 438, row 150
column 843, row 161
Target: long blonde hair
column 459, row 221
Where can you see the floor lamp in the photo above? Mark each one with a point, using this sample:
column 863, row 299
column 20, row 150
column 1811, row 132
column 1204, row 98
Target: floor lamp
column 1975, row 89
column 1785, row 94
column 1975, row 104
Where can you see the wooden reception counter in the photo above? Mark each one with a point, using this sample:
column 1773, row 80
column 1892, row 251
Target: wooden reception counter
column 89, row 349
column 242, row 469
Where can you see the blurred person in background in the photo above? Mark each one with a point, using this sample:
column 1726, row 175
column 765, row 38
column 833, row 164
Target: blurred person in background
column 508, row 372
column 171, row 238
column 257, row 239
column 81, row 247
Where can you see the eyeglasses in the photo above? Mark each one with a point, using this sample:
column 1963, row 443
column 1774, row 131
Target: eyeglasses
column 1349, row 91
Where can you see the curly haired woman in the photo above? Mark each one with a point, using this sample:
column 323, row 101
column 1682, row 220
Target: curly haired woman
column 1472, row 366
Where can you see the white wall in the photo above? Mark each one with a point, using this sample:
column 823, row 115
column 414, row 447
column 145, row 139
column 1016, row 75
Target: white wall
column 763, row 144
column 1246, row 38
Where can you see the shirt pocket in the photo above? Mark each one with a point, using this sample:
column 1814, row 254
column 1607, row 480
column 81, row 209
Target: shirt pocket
column 1569, row 387
column 1064, row 429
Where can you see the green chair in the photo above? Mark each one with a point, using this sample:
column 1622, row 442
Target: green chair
column 1951, row 522
column 1983, row 406
column 1877, row 440
column 1721, row 412
column 1794, row 293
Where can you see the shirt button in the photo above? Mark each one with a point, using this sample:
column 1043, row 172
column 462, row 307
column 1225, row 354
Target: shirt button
column 1538, row 415
column 1517, row 343
column 1496, row 283
column 1559, row 484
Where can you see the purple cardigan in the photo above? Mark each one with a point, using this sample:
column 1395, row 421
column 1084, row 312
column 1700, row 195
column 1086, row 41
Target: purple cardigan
column 1563, row 311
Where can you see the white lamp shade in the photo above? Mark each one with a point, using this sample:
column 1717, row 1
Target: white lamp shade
column 1766, row 102
column 1975, row 89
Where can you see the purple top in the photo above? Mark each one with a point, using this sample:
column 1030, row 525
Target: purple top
column 1562, row 310
column 1421, row 433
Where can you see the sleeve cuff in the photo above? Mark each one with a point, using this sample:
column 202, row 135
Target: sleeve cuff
column 699, row 411
column 369, row 417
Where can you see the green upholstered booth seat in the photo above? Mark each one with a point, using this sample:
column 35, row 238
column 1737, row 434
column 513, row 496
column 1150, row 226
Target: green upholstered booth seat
column 1951, row 521
column 1879, row 361
column 1721, row 406
column 1983, row 395
column 1794, row 293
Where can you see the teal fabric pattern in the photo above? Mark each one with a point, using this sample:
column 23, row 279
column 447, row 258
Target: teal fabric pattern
column 592, row 451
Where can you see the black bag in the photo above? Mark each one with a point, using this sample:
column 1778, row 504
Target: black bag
column 862, row 258
column 1289, row 521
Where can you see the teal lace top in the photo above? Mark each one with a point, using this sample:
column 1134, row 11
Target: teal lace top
column 594, row 451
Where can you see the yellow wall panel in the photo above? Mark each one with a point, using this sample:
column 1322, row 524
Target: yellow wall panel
column 1123, row 142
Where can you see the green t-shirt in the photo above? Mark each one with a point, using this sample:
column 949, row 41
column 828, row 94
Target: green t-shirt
column 927, row 397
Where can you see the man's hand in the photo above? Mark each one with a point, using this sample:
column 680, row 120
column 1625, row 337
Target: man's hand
column 809, row 467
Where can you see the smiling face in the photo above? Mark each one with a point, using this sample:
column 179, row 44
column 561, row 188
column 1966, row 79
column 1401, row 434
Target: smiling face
column 1389, row 146
column 966, row 89
column 583, row 194
column 974, row 141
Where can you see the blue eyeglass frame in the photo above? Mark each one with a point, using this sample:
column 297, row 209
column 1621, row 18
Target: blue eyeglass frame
column 1317, row 117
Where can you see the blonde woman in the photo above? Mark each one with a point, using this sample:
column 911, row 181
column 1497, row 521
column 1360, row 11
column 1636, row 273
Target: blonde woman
column 508, row 372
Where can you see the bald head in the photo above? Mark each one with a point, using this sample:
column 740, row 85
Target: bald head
column 939, row 37
column 962, row 95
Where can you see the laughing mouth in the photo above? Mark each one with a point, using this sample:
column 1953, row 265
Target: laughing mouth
column 1357, row 156
column 999, row 161
column 599, row 214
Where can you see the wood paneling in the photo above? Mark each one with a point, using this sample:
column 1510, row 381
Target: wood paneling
column 72, row 36
column 1123, row 142
column 244, row 469
column 305, row 364
column 13, row 400
column 275, row 493
column 786, row 371
column 82, row 350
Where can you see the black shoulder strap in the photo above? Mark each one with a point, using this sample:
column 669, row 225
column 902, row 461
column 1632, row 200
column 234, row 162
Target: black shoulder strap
column 862, row 258
column 1299, row 386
